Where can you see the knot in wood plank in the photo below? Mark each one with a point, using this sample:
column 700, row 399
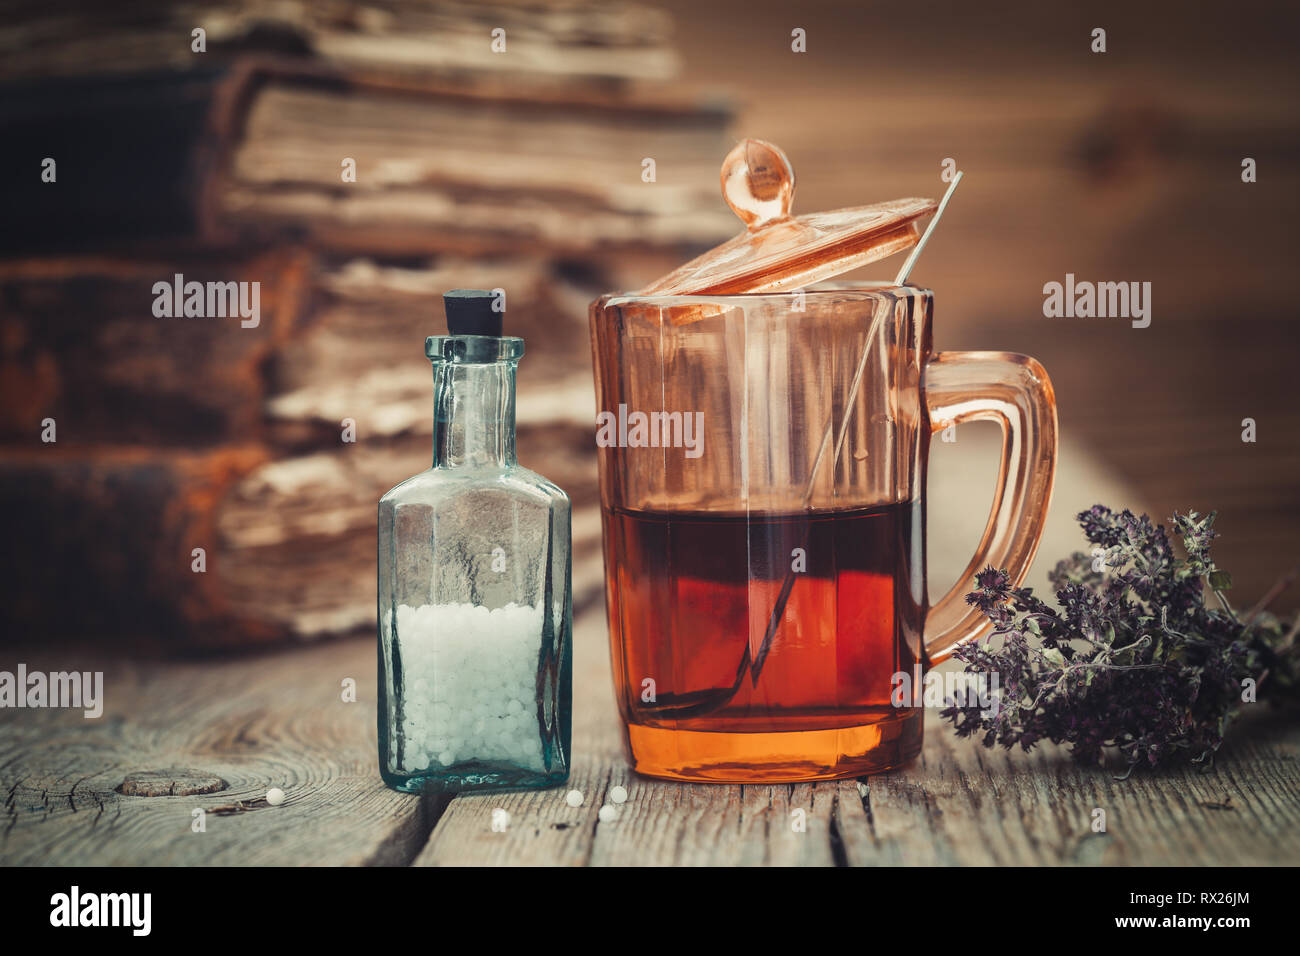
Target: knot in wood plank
column 173, row 782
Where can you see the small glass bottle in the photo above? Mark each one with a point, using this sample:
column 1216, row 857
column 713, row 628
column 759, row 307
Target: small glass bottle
column 475, row 610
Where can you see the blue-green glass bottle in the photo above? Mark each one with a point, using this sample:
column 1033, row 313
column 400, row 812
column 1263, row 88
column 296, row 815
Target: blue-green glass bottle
column 475, row 610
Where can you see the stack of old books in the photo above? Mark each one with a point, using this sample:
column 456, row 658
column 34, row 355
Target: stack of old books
column 227, row 229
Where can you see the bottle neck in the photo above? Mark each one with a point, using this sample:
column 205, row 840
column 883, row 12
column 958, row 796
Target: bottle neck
column 474, row 415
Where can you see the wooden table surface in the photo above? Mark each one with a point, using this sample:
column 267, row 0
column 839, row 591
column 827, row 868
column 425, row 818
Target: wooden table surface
column 280, row 721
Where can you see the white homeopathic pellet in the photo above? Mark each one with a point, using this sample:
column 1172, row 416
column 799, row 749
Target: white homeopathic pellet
column 573, row 798
column 275, row 796
column 607, row 814
column 618, row 794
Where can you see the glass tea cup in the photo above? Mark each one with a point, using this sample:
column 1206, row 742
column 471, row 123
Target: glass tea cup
column 763, row 467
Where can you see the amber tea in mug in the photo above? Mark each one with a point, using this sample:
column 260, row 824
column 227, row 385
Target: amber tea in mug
column 713, row 582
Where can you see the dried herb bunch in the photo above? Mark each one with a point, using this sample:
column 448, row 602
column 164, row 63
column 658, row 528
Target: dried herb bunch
column 1133, row 659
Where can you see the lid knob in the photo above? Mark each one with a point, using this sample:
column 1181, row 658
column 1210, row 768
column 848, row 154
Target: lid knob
column 779, row 252
column 758, row 183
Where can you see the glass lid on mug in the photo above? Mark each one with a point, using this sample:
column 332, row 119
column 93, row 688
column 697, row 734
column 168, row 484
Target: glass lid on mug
column 779, row 252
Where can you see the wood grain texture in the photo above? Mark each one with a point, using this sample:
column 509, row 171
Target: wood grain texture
column 276, row 721
column 963, row 805
column 279, row 721
column 958, row 804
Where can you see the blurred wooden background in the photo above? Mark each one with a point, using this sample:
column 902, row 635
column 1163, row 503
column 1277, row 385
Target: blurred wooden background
column 522, row 170
column 518, row 169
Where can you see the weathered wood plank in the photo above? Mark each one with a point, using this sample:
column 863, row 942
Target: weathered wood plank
column 958, row 805
column 721, row 825
column 964, row 805
column 278, row 722
column 275, row 721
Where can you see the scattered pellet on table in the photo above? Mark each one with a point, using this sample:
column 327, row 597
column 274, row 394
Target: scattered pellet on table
column 573, row 798
column 618, row 794
column 607, row 814
column 275, row 796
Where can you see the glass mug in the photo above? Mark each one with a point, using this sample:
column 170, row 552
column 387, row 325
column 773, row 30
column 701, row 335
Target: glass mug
column 762, row 471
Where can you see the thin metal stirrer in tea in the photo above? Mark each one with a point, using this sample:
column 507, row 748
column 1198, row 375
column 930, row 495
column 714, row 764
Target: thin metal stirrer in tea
column 783, row 598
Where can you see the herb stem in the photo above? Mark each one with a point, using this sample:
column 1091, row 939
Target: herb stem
column 1289, row 638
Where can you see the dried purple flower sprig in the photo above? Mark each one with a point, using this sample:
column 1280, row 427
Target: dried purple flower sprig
column 1133, row 660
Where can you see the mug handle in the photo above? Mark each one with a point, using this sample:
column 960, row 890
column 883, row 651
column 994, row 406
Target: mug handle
column 1014, row 391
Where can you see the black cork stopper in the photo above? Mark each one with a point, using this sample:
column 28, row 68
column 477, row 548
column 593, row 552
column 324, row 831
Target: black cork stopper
column 470, row 312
